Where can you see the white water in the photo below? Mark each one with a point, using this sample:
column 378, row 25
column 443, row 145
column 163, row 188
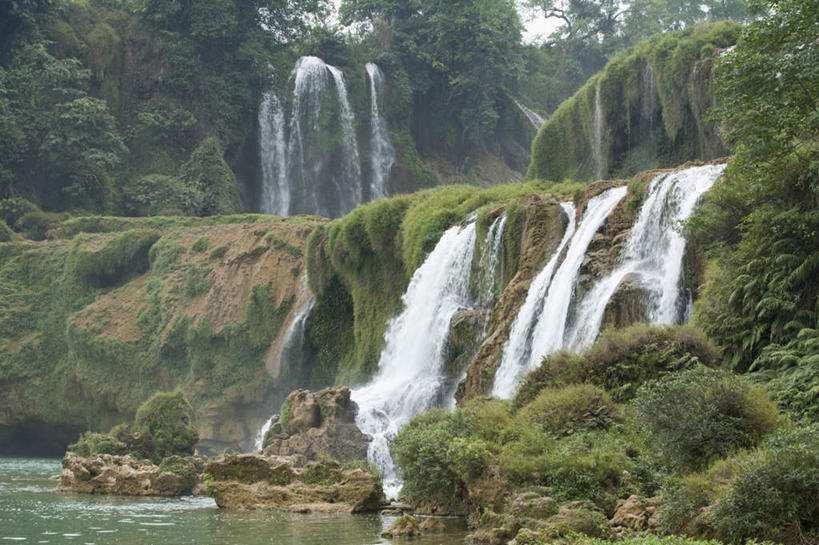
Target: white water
column 273, row 150
column 294, row 338
column 598, row 133
column 382, row 152
column 550, row 324
column 490, row 259
column 410, row 374
column 297, row 173
column 351, row 196
column 517, row 347
column 654, row 250
column 534, row 118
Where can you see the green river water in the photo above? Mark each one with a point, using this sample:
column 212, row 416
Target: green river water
column 31, row 511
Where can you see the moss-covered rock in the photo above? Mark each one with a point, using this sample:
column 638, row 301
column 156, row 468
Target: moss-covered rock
column 405, row 526
column 644, row 110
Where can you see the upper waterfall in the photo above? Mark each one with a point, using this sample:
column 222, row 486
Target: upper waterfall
column 304, row 172
column 409, row 376
column 654, row 251
column 382, row 152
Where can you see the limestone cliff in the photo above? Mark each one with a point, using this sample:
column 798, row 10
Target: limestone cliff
column 110, row 310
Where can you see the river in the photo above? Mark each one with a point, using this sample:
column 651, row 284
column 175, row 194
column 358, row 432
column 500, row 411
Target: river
column 31, row 511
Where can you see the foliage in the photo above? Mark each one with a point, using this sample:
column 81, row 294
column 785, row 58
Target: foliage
column 565, row 410
column 621, row 360
column 167, row 417
column 208, row 174
column 760, row 298
column 699, row 415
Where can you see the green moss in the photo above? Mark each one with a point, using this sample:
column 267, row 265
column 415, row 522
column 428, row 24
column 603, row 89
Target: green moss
column 201, row 245
column 652, row 101
column 166, row 416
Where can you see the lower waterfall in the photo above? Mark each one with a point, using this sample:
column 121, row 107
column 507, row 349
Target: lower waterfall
column 409, row 376
column 548, row 325
column 654, row 251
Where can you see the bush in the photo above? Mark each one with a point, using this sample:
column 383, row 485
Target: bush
column 167, row 417
column 97, row 443
column 36, row 224
column 623, row 359
column 774, row 494
column 565, row 410
column 11, row 210
column 700, row 415
column 6, row 234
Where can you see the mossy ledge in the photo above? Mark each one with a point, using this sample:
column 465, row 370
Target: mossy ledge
column 652, row 111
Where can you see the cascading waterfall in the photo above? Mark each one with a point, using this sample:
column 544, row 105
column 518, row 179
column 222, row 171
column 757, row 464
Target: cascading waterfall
column 550, row 324
column 490, row 259
column 598, row 133
column 534, row 118
column 382, row 152
column 410, row 374
column 301, row 172
column 517, row 347
column 293, row 342
column 654, row 250
column 273, row 149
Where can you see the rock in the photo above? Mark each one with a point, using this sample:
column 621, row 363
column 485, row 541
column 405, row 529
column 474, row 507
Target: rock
column 321, row 423
column 127, row 476
column 630, row 513
column 432, row 525
column 406, row 526
column 577, row 517
column 627, row 305
column 532, row 505
column 272, row 482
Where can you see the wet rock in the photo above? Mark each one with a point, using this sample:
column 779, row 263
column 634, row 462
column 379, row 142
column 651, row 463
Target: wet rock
column 628, row 303
column 432, row 525
column 315, row 424
column 127, row 476
column 406, row 526
column 272, row 482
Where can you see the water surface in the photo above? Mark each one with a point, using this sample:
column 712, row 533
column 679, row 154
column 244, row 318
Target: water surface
column 31, row 511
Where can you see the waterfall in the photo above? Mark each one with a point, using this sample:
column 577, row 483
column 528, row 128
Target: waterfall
column 293, row 342
column 382, row 153
column 549, row 325
column 654, row 250
column 304, row 171
column 534, row 118
column 597, row 134
column 517, row 347
column 273, row 150
column 490, row 259
column 409, row 376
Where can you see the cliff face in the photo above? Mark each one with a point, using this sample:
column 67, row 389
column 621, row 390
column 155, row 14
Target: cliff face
column 645, row 110
column 111, row 310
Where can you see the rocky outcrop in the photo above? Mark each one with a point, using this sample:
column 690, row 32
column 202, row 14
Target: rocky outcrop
column 315, row 424
column 627, row 305
column 635, row 513
column 406, row 526
column 128, row 476
column 274, row 482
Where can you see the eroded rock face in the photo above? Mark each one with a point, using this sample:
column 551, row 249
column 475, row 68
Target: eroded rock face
column 274, row 482
column 628, row 303
column 315, row 424
column 127, row 476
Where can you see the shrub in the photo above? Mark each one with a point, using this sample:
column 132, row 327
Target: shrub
column 623, row 359
column 575, row 407
column 200, row 245
column 167, row 417
column 14, row 208
column 218, row 253
column 700, row 415
column 36, row 224
column 97, row 443
column 6, row 234
column 774, row 492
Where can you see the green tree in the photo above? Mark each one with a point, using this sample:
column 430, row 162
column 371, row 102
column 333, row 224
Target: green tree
column 762, row 221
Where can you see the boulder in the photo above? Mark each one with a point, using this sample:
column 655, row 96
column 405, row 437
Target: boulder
column 627, row 305
column 406, row 526
column 315, row 424
column 272, row 482
column 432, row 525
column 127, row 476
column 635, row 513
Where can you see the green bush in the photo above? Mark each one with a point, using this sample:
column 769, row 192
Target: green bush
column 11, row 210
column 167, row 417
column 97, row 443
column 565, row 410
column 36, row 224
column 700, row 414
column 774, row 494
column 6, row 234
column 200, row 245
column 621, row 360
